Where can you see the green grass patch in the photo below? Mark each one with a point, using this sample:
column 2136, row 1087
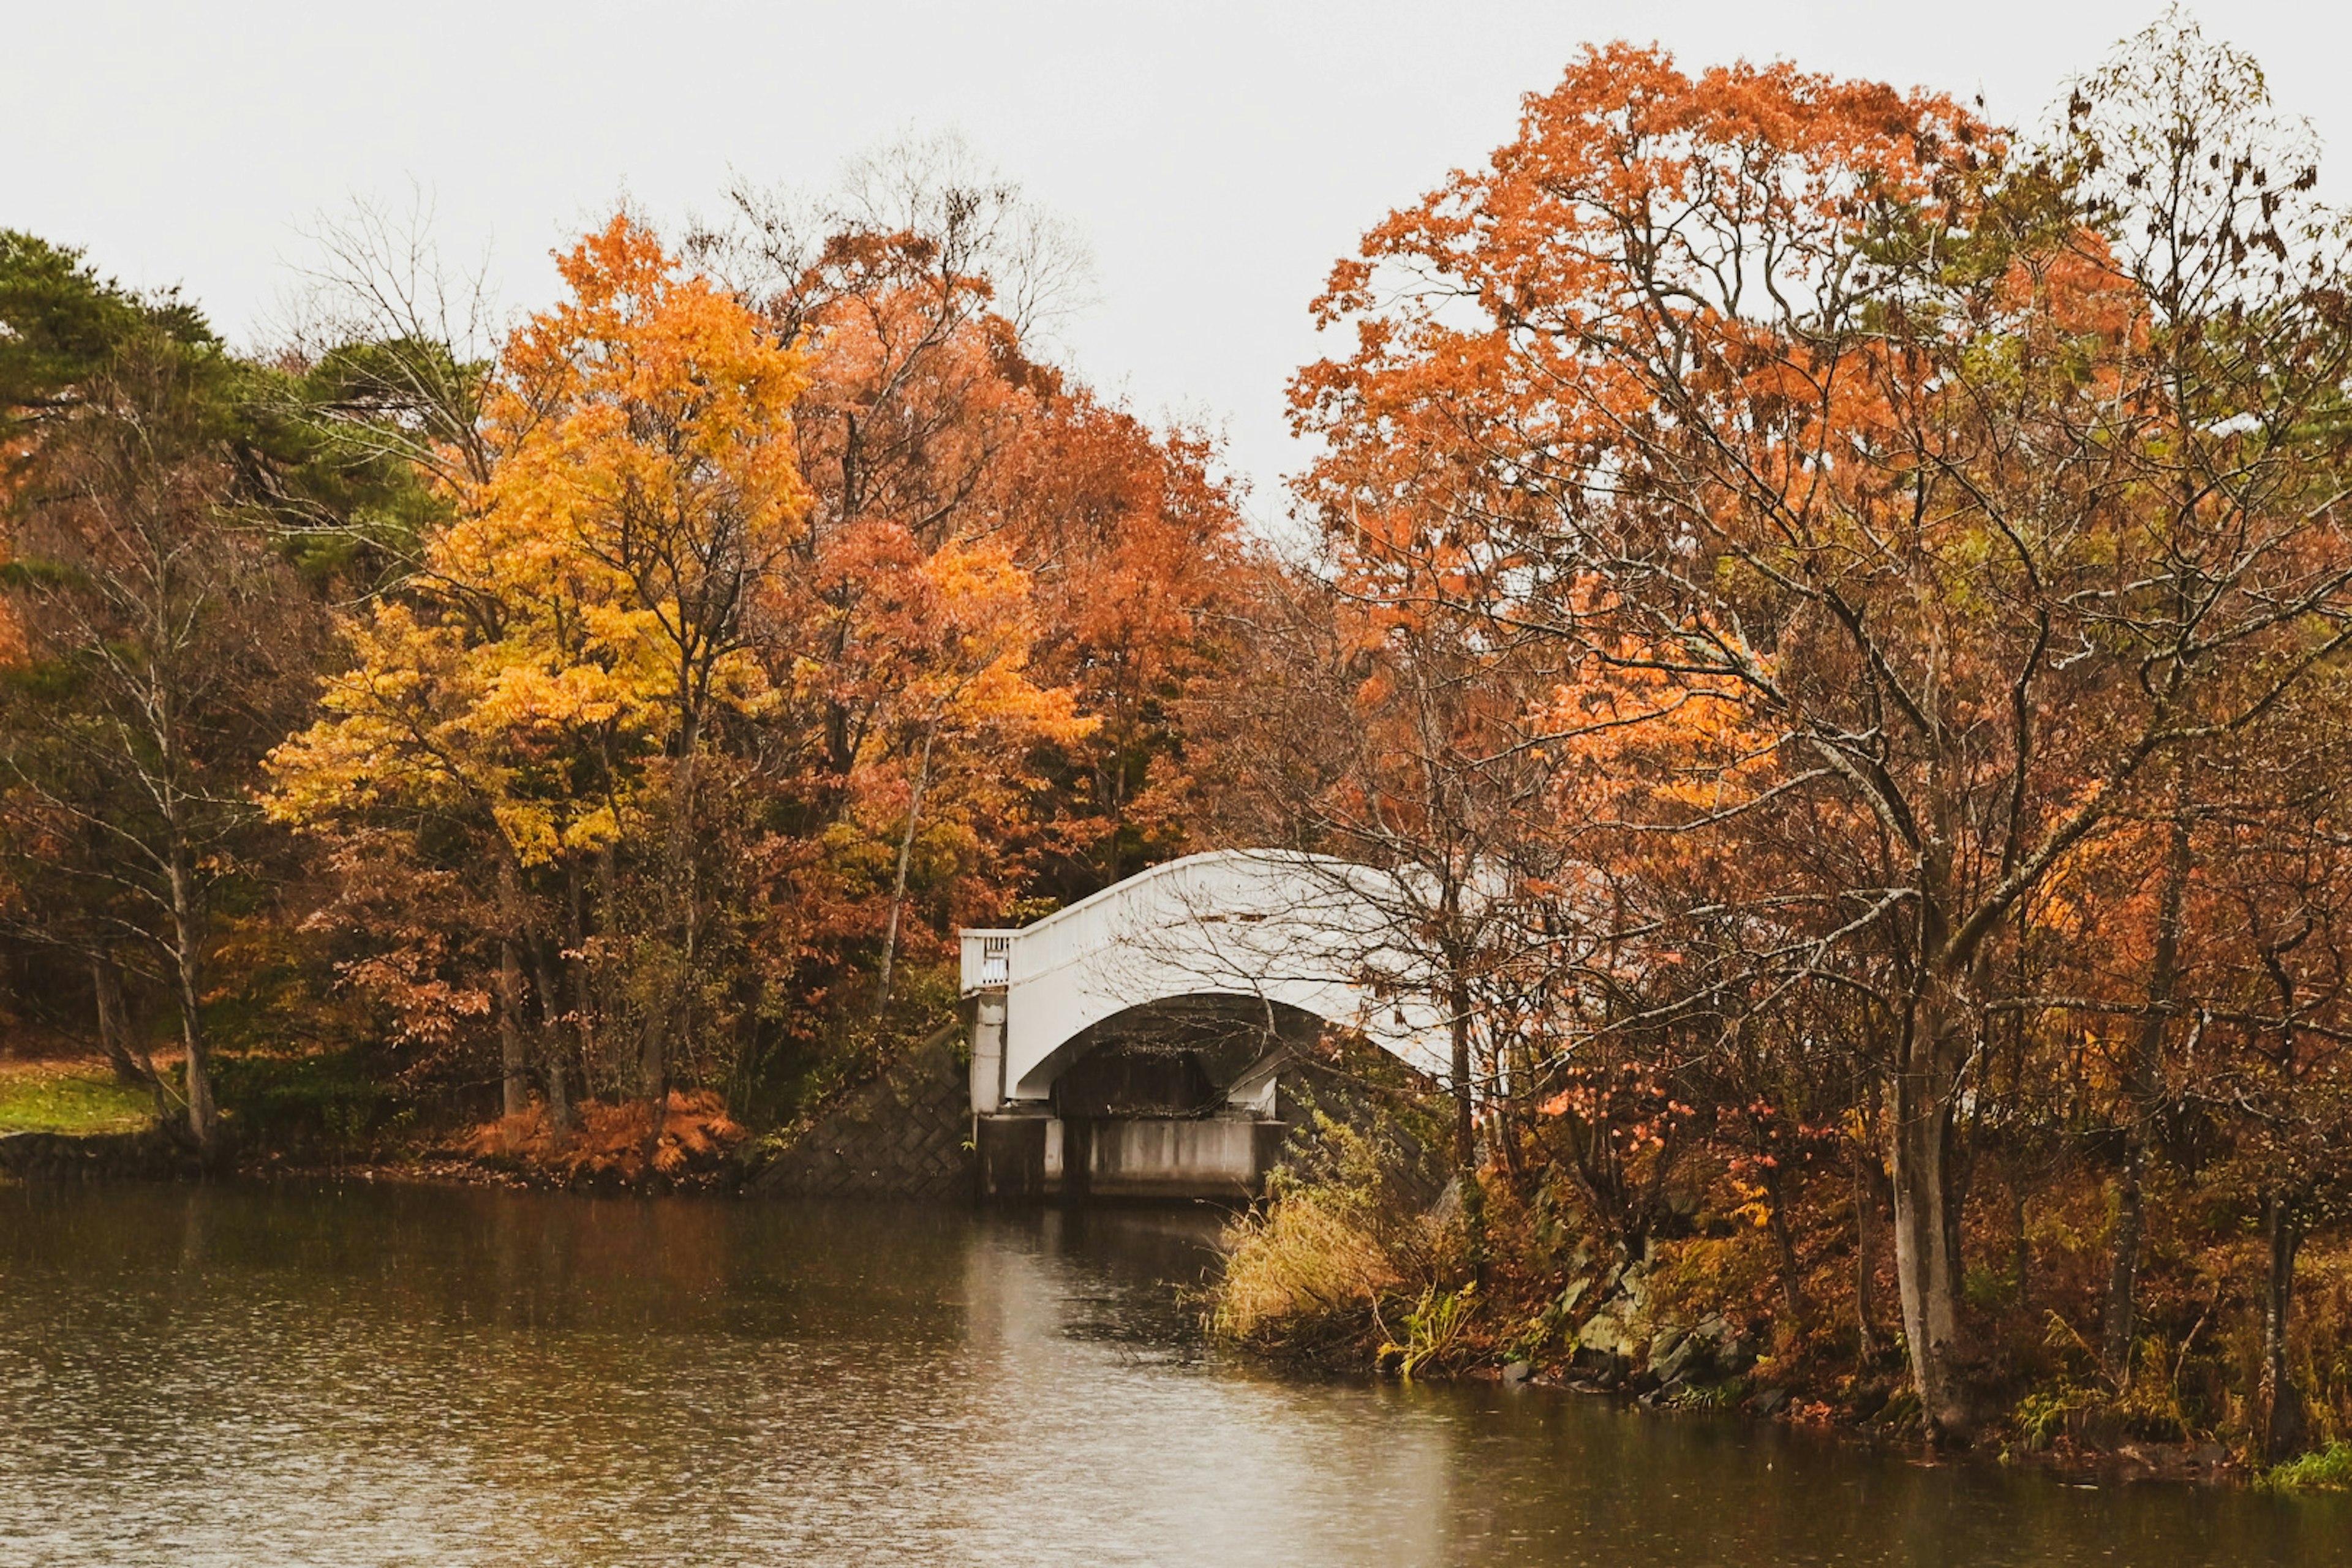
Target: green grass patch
column 2329, row 1470
column 73, row 1100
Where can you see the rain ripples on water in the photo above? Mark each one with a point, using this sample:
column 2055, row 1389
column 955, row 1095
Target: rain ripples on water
column 361, row 1374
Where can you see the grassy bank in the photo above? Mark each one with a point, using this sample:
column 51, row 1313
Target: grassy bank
column 292, row 1111
column 79, row 1099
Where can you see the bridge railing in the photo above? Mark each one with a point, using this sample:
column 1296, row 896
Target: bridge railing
column 987, row 960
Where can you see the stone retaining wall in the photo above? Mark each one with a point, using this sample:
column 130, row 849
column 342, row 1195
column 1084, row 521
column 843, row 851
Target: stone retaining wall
column 61, row 1157
column 904, row 1135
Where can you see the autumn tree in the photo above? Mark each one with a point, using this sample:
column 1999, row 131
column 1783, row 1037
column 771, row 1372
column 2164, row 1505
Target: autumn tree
column 397, row 347
column 2274, row 1027
column 674, row 711
column 554, row 670
column 1143, row 587
column 164, row 636
column 917, row 383
column 1380, row 728
column 959, row 675
column 930, row 434
column 1976, row 487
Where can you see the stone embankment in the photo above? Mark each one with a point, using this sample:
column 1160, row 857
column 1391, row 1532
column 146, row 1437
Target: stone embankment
column 70, row 1157
column 1625, row 1347
column 906, row 1134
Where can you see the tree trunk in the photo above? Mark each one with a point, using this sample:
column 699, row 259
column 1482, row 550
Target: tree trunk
column 513, row 1064
column 2142, row 1090
column 1925, row 1265
column 106, row 994
column 2021, row 1255
column 1507, row 1131
column 2277, row 1402
column 559, row 1088
column 652, row 1074
column 679, row 900
column 575, row 961
column 1792, row 1288
column 609, row 1050
column 550, row 1036
column 899, row 885
column 131, row 1068
column 187, row 973
column 1866, row 1221
column 1465, row 1127
column 1465, row 1098
column 2116, row 1342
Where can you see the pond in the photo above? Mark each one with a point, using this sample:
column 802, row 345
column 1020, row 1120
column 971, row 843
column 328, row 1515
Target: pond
column 362, row 1374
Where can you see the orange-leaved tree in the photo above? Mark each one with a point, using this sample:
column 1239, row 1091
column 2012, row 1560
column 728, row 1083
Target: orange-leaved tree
column 1975, row 486
column 1140, row 574
column 931, row 437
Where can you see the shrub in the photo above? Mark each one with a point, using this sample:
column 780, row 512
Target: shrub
column 607, row 1142
column 322, row 1105
column 1296, row 1269
column 1434, row 1329
column 2327, row 1470
column 1339, row 1230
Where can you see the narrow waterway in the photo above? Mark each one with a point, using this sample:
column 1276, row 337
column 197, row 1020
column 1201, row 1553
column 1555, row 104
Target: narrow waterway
column 370, row 1376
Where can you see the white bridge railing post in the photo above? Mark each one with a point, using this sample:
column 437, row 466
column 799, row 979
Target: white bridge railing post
column 987, row 971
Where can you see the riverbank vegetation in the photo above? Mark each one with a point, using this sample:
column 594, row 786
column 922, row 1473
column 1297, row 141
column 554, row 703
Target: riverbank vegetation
column 1837, row 611
column 1853, row 600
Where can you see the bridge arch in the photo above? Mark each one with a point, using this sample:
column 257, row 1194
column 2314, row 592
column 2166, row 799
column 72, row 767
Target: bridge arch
column 1306, row 932
column 1194, row 1054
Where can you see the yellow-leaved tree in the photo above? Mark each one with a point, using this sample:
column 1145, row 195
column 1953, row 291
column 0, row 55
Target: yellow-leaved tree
column 546, row 687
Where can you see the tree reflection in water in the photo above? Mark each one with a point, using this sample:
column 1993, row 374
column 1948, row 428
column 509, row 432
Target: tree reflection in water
column 360, row 1375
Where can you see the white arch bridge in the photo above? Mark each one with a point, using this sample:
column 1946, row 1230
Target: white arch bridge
column 1136, row 1043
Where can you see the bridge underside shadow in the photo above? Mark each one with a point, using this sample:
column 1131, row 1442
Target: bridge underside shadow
column 1178, row 1097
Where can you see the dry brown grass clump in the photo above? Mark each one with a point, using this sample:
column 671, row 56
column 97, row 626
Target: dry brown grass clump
column 1347, row 1226
column 1297, row 1268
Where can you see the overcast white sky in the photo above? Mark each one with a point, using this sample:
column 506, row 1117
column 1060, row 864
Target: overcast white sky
column 1216, row 156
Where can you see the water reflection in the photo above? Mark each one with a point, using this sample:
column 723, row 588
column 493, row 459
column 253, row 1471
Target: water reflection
column 363, row 1375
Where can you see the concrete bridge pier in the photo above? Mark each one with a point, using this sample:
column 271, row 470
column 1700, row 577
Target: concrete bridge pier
column 1123, row 1123
column 1030, row 1155
column 1132, row 1045
column 987, row 1034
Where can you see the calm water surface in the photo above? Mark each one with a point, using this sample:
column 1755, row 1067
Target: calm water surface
column 362, row 1375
